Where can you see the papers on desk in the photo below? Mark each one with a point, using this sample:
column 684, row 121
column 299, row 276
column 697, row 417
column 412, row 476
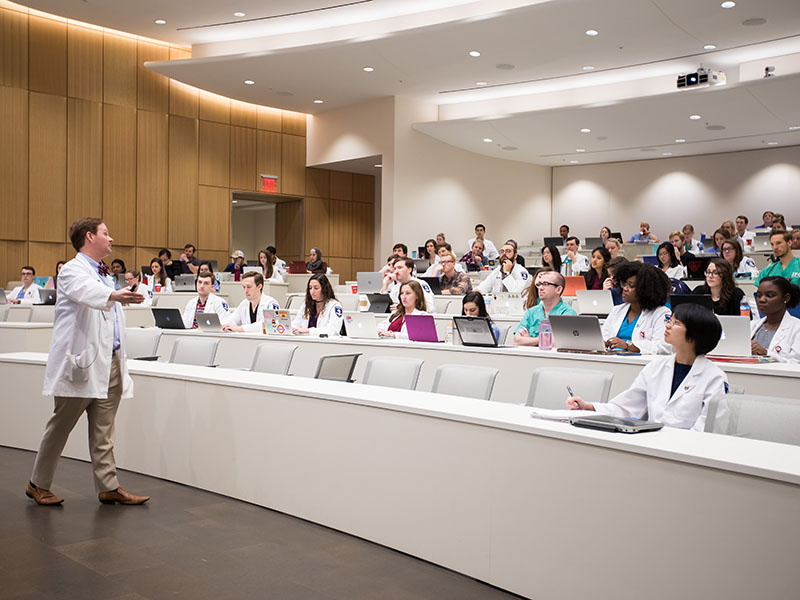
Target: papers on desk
column 561, row 416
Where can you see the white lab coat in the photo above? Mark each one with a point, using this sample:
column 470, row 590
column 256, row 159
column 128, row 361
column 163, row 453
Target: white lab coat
column 489, row 249
column 580, row 265
column 435, row 270
column 330, row 321
column 747, row 265
column 743, row 239
column 650, row 393
column 785, row 345
column 676, row 272
column 214, row 304
column 648, row 334
column 403, row 333
column 146, row 292
column 241, row 316
column 394, row 293
column 517, row 281
column 31, row 294
column 79, row 363
column 151, row 284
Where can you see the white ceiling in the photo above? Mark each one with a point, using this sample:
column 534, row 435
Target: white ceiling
column 419, row 48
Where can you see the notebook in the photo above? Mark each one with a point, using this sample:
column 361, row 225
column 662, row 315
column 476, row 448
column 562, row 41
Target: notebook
column 361, row 326
column 168, row 318
column 277, row 322
column 580, row 332
column 434, row 283
column 421, row 328
column 184, row 283
column 475, row 331
column 594, row 302
column 369, row 283
column 615, row 424
column 47, row 297
column 208, row 321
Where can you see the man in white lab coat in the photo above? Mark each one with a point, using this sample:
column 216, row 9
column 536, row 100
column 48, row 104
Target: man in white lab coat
column 86, row 370
column 28, row 292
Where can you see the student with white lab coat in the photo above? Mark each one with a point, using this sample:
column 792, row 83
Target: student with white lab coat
column 402, row 273
column 249, row 315
column 573, row 263
column 86, row 368
column 510, row 276
column 321, row 313
column 412, row 302
column 205, row 301
column 158, row 281
column 637, row 325
column 777, row 333
column 133, row 281
column 28, row 292
column 674, row 390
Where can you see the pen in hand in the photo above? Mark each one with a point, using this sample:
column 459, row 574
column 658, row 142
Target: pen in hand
column 569, row 391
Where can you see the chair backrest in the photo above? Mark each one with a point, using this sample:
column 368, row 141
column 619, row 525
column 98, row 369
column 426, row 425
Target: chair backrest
column 465, row 380
column 273, row 357
column 506, row 334
column 18, row 314
column 757, row 417
column 200, row 352
column 295, row 302
column 142, row 342
column 549, row 386
column 349, row 302
column 4, row 311
column 42, row 314
column 454, row 308
column 441, row 303
column 392, row 371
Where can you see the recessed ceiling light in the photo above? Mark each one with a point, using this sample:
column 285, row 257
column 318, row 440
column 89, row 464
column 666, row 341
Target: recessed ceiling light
column 591, row 32
column 474, row 53
column 666, row 154
column 588, row 68
column 317, row 101
column 368, row 69
column 695, row 117
column 378, row 166
column 710, row 47
column 728, row 4
column 680, row 140
column 160, row 22
column 488, row 140
column 574, row 162
column 794, row 127
column 238, row 14
column 772, row 143
column 580, row 149
column 586, row 130
column 480, row 83
column 249, row 82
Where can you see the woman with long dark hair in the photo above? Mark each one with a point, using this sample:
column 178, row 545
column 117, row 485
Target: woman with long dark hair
column 472, row 305
column 551, row 257
column 726, row 297
column 321, row 312
column 158, row 281
column 412, row 302
column 597, row 274
column 668, row 261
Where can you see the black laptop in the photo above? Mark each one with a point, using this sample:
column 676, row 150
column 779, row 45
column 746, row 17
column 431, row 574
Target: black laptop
column 379, row 303
column 475, row 331
column 168, row 318
column 436, row 286
column 554, row 241
column 696, row 268
column 701, row 299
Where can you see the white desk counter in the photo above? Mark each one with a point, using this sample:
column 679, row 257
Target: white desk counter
column 25, row 337
column 477, row 487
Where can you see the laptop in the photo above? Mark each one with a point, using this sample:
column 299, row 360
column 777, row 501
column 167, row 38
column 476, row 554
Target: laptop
column 168, row 318
column 47, row 297
column 617, row 235
column 421, row 264
column 3, row 299
column 649, row 259
column 615, row 424
column 594, row 242
column 696, row 268
column 361, row 326
column 554, row 241
column 594, row 302
column 337, row 367
column 434, row 283
column 379, row 303
column 580, row 332
column 277, row 322
column 208, row 321
column 421, row 328
column 369, row 282
column 145, row 270
column 735, row 340
column 761, row 242
column 701, row 299
column 572, row 284
column 184, row 283
column 297, row 267
column 475, row 331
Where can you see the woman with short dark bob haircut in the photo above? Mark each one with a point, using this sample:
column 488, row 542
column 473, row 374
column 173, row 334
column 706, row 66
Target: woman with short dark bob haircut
column 675, row 389
column 668, row 262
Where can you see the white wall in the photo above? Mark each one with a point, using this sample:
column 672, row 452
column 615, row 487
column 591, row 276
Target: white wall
column 253, row 230
column 668, row 193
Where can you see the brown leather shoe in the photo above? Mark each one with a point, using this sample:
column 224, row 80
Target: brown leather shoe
column 121, row 496
column 42, row 496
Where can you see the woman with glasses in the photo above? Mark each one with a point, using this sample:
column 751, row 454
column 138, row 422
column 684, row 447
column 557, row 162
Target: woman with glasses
column 740, row 264
column 675, row 389
column 450, row 280
column 637, row 325
column 549, row 285
column 669, row 262
column 777, row 333
column 726, row 297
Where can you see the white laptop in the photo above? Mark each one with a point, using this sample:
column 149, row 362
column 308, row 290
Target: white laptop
column 361, row 325
column 594, row 302
column 578, row 333
column 277, row 322
column 590, row 243
column 735, row 340
column 208, row 321
column 184, row 283
column 369, row 283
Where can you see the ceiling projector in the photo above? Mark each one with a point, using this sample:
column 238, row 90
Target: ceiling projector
column 702, row 78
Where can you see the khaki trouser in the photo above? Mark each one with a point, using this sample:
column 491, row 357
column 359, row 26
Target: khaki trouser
column 100, row 413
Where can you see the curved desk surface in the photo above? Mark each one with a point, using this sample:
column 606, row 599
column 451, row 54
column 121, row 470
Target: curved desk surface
column 530, row 506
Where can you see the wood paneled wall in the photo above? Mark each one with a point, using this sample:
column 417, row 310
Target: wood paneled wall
column 86, row 130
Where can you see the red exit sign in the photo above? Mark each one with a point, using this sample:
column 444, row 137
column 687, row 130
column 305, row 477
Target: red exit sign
column 269, row 183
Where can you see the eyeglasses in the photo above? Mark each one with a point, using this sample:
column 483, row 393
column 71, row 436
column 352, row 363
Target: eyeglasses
column 728, row 249
column 628, row 286
column 447, row 260
column 670, row 322
column 543, row 284
column 711, row 273
column 26, row 273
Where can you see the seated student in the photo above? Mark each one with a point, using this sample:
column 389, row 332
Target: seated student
column 613, row 245
column 551, row 257
column 520, row 258
column 777, row 333
column 59, row 264
column 28, row 292
column 509, row 276
column 720, row 235
column 205, row 301
column 605, row 234
column 249, row 315
column 412, row 302
column 728, row 226
column 321, row 313
column 668, row 261
column 637, row 325
column 158, row 281
column 117, row 269
column 644, row 234
column 675, row 389
column 678, row 241
column 133, row 280
column 236, row 266
column 315, row 263
column 550, row 286
column 573, row 263
column 402, row 273
column 435, row 270
column 532, row 293
column 690, row 244
column 598, row 272
column 474, row 260
column 440, row 239
column 268, row 269
column 740, row 264
column 450, row 280
column 189, row 263
column 563, row 231
column 473, row 305
column 172, row 269
column 795, row 239
column 744, row 237
column 786, row 264
column 727, row 298
column 400, row 250
column 766, row 219
column 489, row 249
column 429, row 253
column 280, row 265
column 611, row 283
column 205, row 267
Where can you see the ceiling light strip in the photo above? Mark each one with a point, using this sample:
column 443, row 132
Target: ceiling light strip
column 291, row 14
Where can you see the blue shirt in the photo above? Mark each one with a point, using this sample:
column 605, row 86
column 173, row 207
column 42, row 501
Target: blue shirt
column 535, row 315
column 109, row 281
column 626, row 329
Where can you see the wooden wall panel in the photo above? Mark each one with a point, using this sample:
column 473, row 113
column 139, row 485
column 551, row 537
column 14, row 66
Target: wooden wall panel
column 293, row 123
column 84, row 63
column 341, row 228
column 43, row 257
column 293, row 165
column 222, row 258
column 153, row 87
column 182, row 99
column 243, row 159
column 119, row 70
column 14, row 163
column 289, row 229
column 363, row 188
column 13, row 48
column 13, row 256
column 363, row 265
column 182, row 181
column 47, row 55
column 343, row 266
column 214, row 154
column 363, row 219
column 119, row 172
column 126, row 254
column 141, row 256
column 269, row 118
column 151, row 179
column 48, row 168
column 244, row 114
column 214, row 219
column 214, row 108
column 316, row 223
column 268, row 156
column 84, row 159
column 341, row 185
column 318, row 183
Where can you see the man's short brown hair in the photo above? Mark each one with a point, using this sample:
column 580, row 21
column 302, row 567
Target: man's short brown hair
column 787, row 235
column 205, row 275
column 258, row 278
column 79, row 229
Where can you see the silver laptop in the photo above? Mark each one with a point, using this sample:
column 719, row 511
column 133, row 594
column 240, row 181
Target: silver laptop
column 590, row 243
column 361, row 325
column 735, row 340
column 369, row 283
column 577, row 333
column 208, row 321
column 184, row 283
column 277, row 322
column 594, row 302
column 761, row 242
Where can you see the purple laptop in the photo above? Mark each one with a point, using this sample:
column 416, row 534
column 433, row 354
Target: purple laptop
column 421, row 328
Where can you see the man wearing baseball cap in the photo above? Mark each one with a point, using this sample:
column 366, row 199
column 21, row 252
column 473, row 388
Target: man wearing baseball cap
column 237, row 265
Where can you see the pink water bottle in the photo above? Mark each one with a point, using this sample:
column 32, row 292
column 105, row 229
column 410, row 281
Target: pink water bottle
column 545, row 336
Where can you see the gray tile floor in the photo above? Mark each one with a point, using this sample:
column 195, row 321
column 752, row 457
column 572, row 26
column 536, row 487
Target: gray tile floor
column 187, row 543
